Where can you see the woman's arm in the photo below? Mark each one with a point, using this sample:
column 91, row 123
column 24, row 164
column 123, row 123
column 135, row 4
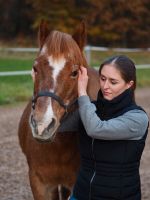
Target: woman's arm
column 130, row 126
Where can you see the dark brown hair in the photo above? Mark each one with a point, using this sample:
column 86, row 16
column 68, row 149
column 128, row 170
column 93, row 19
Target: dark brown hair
column 125, row 66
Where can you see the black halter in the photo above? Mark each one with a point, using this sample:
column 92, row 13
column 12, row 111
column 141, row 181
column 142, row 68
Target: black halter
column 55, row 97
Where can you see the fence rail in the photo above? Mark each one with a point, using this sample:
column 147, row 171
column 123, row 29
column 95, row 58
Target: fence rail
column 87, row 49
column 15, row 73
column 28, row 72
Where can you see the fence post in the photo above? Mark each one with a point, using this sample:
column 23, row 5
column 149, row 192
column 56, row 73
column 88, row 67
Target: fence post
column 88, row 54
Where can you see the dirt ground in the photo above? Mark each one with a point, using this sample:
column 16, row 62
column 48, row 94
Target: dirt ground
column 14, row 183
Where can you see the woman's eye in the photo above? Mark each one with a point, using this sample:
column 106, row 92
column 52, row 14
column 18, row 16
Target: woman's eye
column 102, row 78
column 113, row 83
column 74, row 74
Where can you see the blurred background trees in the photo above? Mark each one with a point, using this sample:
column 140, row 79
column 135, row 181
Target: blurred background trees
column 124, row 23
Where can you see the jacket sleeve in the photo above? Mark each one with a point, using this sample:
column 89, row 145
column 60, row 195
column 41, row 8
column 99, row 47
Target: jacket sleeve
column 70, row 123
column 130, row 126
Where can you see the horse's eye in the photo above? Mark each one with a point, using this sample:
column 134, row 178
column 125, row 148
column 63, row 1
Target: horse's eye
column 74, row 74
column 35, row 70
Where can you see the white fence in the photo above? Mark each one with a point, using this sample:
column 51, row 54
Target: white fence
column 88, row 50
column 15, row 73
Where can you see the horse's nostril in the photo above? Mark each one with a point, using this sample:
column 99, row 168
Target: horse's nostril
column 51, row 125
column 33, row 121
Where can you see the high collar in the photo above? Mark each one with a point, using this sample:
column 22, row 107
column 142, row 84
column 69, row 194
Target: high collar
column 107, row 109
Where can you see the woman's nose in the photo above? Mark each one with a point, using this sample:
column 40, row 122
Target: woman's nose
column 106, row 85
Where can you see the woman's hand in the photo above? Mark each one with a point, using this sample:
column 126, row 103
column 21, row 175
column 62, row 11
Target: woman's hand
column 82, row 81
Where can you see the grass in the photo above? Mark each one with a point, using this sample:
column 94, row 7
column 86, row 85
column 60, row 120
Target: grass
column 16, row 61
column 138, row 57
column 19, row 88
column 15, row 65
column 15, row 89
column 143, row 77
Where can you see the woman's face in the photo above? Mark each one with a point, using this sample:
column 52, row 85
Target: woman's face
column 111, row 82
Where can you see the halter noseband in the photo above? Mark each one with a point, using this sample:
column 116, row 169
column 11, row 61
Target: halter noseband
column 55, row 97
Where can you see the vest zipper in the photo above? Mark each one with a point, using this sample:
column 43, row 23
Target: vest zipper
column 94, row 173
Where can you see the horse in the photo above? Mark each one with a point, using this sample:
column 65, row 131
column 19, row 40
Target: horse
column 53, row 157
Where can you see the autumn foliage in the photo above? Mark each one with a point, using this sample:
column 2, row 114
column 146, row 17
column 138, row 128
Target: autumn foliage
column 123, row 23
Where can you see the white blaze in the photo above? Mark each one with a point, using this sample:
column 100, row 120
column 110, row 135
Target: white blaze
column 43, row 50
column 47, row 118
column 57, row 66
column 48, row 114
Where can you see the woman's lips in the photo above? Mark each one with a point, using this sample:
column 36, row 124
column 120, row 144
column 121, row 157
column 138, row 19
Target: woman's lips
column 106, row 93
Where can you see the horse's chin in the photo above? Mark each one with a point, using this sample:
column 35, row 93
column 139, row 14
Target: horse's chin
column 44, row 140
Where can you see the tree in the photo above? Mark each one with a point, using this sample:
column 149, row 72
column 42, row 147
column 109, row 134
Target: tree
column 110, row 23
column 14, row 18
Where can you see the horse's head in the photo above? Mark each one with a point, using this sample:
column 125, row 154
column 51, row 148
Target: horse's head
column 55, row 74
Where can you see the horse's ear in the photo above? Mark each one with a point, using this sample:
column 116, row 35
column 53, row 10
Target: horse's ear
column 80, row 35
column 43, row 33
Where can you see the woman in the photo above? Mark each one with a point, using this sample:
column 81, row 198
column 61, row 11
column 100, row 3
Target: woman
column 113, row 131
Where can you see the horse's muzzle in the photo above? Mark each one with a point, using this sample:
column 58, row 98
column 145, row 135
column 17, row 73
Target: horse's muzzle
column 42, row 133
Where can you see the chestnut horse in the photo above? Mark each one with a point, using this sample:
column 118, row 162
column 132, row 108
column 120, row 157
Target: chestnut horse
column 53, row 157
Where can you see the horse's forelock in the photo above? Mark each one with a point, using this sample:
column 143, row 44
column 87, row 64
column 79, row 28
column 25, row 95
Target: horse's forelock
column 60, row 45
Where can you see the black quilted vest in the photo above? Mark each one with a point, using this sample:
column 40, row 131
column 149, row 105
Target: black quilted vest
column 110, row 168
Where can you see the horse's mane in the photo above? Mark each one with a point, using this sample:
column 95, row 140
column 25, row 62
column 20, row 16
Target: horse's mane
column 62, row 44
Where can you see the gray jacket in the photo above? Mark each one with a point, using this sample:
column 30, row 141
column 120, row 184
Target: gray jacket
column 129, row 126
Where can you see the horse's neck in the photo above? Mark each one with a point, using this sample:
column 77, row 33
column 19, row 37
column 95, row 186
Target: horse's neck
column 93, row 84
